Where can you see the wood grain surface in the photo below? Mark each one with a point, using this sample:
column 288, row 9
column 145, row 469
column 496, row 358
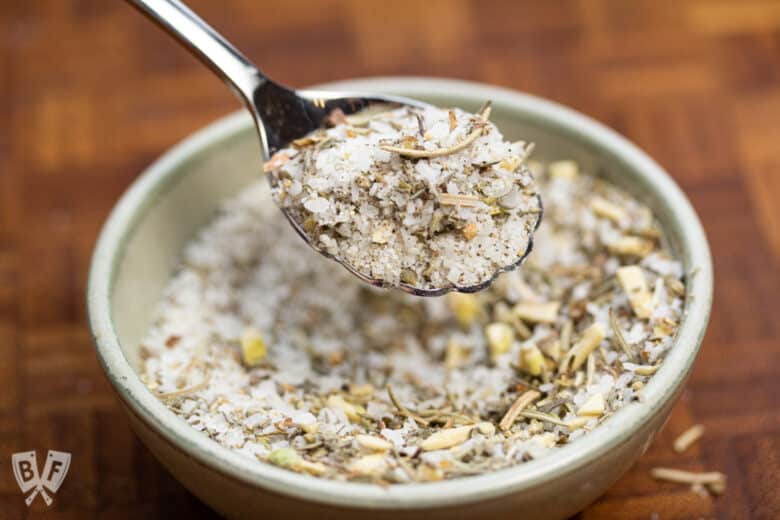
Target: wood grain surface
column 90, row 93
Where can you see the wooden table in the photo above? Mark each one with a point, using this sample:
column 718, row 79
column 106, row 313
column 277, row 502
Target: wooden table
column 90, row 93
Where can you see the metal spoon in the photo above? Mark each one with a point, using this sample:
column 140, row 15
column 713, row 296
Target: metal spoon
column 281, row 114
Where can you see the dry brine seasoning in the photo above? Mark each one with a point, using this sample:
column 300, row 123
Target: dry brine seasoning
column 283, row 356
column 426, row 198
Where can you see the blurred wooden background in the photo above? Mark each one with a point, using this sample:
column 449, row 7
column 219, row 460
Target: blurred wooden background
column 90, row 93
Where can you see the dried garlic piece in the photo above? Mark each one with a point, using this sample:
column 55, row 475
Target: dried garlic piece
column 537, row 312
column 456, row 354
column 426, row 473
column 368, row 465
column 547, row 439
column 465, row 307
column 511, row 163
column 310, row 427
column 372, row 443
column 284, row 457
column 312, row 468
column 502, row 313
column 447, row 438
column 365, row 390
column 568, row 170
column 633, row 281
column 590, row 339
column 337, row 402
column 663, row 329
column 593, row 407
column 253, row 349
column 551, row 348
column 499, row 338
column 630, row 245
column 606, row 209
column 531, row 359
column 382, row 233
column 275, row 162
column 290, row 459
column 577, row 423
column 645, row 370
column 675, row 286
column 486, row 428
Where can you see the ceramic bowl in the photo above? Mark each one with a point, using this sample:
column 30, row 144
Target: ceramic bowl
column 178, row 194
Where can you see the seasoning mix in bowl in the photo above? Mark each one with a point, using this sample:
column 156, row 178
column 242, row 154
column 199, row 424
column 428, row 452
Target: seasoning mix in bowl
column 426, row 199
column 284, row 357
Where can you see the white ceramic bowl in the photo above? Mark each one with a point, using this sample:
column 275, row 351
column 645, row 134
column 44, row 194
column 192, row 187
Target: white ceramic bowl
column 178, row 194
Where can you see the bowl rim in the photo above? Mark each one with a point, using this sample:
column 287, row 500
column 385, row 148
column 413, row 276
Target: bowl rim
column 612, row 432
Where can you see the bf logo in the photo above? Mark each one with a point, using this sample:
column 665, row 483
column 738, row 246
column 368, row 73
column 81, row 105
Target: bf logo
column 25, row 467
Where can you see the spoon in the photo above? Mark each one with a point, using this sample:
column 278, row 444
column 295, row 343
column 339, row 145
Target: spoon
column 281, row 114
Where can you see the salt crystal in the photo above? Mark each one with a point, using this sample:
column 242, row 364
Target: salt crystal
column 317, row 205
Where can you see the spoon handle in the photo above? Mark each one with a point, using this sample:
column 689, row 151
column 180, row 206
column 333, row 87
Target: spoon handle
column 205, row 44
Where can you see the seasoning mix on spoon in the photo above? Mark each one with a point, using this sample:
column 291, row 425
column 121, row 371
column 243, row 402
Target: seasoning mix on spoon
column 422, row 198
column 286, row 358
